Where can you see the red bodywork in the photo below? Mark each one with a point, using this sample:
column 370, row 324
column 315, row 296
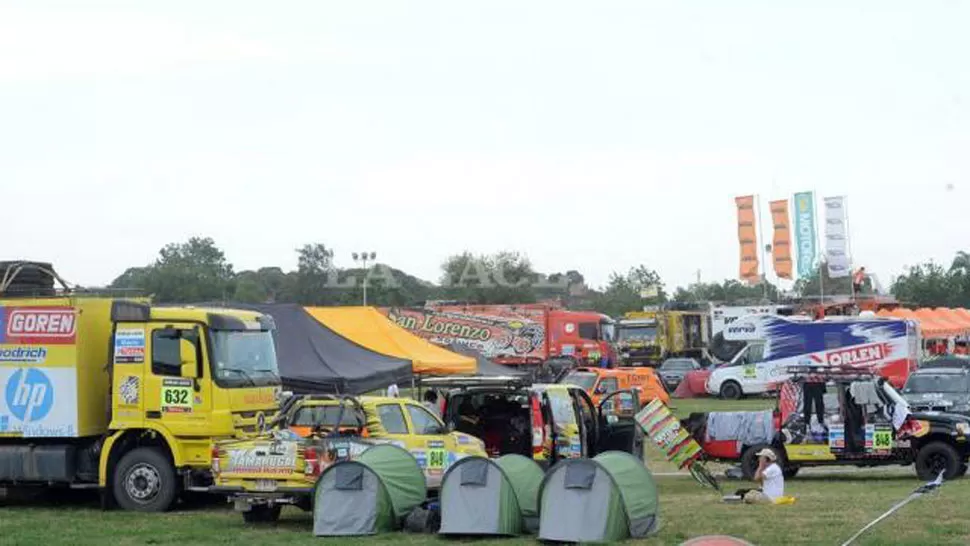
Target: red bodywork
column 508, row 334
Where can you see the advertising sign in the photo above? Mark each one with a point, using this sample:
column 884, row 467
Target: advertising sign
column 747, row 239
column 805, row 236
column 836, row 238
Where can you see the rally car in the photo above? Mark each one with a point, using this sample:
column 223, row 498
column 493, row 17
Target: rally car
column 281, row 465
column 866, row 423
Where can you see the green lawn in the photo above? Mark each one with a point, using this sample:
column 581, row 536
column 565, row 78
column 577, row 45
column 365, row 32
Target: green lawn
column 831, row 506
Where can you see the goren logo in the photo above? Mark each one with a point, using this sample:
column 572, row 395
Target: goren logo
column 41, row 325
column 29, row 395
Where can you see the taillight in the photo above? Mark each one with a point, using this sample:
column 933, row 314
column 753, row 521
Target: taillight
column 538, row 428
column 216, row 468
column 312, row 459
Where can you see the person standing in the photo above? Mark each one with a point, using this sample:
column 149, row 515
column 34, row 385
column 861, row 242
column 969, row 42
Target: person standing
column 858, row 279
column 813, row 391
column 431, row 402
column 392, row 391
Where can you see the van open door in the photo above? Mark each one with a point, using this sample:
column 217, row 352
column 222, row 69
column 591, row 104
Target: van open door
column 617, row 421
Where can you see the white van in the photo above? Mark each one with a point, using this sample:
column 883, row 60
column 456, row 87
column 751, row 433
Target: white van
column 771, row 344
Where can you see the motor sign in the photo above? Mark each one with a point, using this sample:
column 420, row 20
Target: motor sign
column 38, row 325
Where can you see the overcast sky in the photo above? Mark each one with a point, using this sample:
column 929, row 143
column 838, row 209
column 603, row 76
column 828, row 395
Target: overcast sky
column 589, row 135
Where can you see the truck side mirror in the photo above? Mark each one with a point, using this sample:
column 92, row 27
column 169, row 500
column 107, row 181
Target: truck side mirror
column 190, row 364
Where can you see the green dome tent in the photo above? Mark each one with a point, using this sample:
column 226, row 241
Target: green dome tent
column 482, row 496
column 609, row 498
column 368, row 495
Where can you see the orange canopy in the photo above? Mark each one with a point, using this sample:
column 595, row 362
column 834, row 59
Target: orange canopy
column 961, row 319
column 933, row 322
column 366, row 326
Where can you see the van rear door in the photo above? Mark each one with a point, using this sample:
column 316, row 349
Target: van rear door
column 618, row 427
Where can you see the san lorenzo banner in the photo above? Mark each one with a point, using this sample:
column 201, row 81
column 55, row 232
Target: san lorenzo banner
column 836, row 238
column 805, row 232
column 781, row 241
column 748, row 239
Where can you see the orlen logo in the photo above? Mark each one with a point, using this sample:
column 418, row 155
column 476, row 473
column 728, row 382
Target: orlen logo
column 29, row 395
column 41, row 325
column 858, row 356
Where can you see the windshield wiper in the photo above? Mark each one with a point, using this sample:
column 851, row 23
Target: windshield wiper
column 243, row 373
column 270, row 371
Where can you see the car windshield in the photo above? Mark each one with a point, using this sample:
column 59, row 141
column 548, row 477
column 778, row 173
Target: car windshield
column 677, row 365
column 920, row 383
column 583, row 380
column 245, row 358
column 315, row 416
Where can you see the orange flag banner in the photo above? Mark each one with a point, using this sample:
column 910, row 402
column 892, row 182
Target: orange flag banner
column 781, row 242
column 748, row 238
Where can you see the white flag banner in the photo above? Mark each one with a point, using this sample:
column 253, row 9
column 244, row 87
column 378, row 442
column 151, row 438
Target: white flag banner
column 836, row 238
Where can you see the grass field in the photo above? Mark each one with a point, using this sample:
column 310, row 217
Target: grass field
column 832, row 505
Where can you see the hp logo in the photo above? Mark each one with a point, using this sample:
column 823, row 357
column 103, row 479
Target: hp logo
column 29, row 395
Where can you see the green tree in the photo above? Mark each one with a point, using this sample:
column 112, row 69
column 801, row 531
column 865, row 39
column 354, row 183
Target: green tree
column 626, row 292
column 316, row 281
column 728, row 292
column 504, row 277
column 931, row 285
column 819, row 282
column 193, row 271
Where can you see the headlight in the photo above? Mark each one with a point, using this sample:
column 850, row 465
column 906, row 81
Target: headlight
column 963, row 428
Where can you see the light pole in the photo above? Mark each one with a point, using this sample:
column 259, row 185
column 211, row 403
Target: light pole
column 363, row 258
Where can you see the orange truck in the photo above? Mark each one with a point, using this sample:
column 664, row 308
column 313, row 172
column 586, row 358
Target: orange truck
column 601, row 382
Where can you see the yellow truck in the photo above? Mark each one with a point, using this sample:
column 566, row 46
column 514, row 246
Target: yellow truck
column 125, row 396
column 650, row 337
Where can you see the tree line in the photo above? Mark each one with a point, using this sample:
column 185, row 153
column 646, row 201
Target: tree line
column 198, row 271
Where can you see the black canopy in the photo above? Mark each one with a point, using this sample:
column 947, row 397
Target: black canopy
column 315, row 359
column 485, row 366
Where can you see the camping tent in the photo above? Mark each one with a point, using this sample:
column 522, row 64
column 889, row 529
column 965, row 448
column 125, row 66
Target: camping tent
column 366, row 326
column 606, row 499
column 368, row 495
column 314, row 359
column 482, row 496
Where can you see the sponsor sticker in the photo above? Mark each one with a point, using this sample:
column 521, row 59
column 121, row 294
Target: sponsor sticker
column 39, row 325
column 129, row 390
column 38, row 402
column 130, row 346
column 33, row 355
column 177, row 395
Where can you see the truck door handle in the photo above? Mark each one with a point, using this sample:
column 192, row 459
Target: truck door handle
column 153, row 415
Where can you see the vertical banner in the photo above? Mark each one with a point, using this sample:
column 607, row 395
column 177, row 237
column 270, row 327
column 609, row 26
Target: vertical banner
column 836, row 238
column 805, row 232
column 747, row 237
column 781, row 240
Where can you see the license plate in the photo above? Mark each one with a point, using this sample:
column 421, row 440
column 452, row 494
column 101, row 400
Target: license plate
column 265, row 485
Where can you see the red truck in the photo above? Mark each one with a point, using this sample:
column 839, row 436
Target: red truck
column 513, row 334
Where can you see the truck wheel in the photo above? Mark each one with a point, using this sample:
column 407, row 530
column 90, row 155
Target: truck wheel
column 730, row 390
column 263, row 513
column 145, row 481
column 936, row 457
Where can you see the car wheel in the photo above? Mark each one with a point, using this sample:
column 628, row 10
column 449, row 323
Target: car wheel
column 731, row 390
column 145, row 481
column 263, row 513
column 936, row 457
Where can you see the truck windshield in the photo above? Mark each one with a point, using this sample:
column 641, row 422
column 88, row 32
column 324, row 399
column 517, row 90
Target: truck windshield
column 583, row 380
column 638, row 333
column 609, row 331
column 923, row 383
column 244, row 358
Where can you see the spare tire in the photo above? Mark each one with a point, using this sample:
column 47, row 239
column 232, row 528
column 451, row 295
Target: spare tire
column 25, row 279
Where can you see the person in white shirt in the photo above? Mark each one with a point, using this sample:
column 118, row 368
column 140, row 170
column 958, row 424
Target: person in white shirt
column 431, row 402
column 392, row 391
column 771, row 477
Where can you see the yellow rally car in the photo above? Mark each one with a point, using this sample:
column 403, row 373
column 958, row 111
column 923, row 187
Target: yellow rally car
column 281, row 465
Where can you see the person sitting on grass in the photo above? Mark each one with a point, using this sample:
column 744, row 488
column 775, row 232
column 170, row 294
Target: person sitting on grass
column 770, row 476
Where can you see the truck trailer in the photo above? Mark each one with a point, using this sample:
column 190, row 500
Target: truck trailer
column 514, row 334
column 127, row 397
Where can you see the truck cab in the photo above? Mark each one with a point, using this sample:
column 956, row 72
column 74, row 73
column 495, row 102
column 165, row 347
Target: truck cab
column 141, row 392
